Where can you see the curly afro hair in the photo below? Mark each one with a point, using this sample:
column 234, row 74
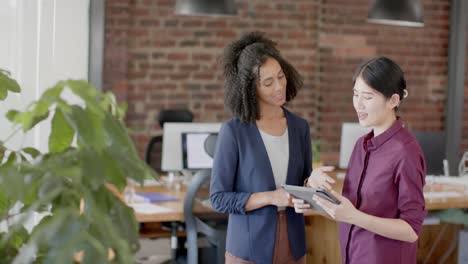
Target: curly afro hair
column 242, row 60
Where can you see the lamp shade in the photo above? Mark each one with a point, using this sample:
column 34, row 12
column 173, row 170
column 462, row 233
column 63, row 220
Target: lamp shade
column 206, row 7
column 396, row 12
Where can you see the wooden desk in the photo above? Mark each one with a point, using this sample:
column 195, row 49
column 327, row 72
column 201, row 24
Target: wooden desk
column 322, row 232
column 431, row 203
column 177, row 207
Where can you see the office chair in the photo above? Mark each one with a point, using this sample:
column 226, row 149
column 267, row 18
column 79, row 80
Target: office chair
column 210, row 144
column 214, row 230
column 154, row 147
column 463, row 165
column 175, row 115
column 433, row 146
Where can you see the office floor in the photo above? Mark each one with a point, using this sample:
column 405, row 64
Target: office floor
column 154, row 251
column 158, row 251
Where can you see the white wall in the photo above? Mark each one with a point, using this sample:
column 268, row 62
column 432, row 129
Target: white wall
column 42, row 41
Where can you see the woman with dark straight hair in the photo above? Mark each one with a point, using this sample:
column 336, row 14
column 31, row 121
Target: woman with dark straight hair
column 262, row 147
column 382, row 205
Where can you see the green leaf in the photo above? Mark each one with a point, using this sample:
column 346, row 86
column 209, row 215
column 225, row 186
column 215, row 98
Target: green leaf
column 50, row 187
column 118, row 135
column 31, row 152
column 89, row 128
column 3, row 93
column 66, row 108
column 94, row 251
column 92, row 167
column 11, row 242
column 82, row 88
column 7, row 84
column 123, row 151
column 2, row 151
column 61, row 135
column 30, row 118
column 113, row 172
column 32, row 184
column 109, row 104
column 61, row 165
column 64, row 241
column 5, row 203
column 53, row 94
column 122, row 234
column 20, row 237
column 12, row 114
column 14, row 182
column 10, row 160
column 89, row 94
column 5, row 72
column 121, row 110
column 35, row 120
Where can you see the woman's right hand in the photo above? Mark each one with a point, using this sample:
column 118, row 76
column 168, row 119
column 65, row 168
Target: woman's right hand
column 300, row 206
column 320, row 179
column 280, row 197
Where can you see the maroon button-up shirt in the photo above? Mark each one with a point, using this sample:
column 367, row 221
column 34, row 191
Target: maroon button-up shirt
column 385, row 178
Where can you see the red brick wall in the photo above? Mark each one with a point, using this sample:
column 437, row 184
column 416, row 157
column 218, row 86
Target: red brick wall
column 346, row 39
column 116, row 48
column 163, row 61
column 156, row 60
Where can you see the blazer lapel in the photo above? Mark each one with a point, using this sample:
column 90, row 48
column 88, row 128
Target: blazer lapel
column 293, row 146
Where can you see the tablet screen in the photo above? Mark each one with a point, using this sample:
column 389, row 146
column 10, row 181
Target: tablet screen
column 306, row 193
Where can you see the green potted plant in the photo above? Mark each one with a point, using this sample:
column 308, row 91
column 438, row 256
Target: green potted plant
column 89, row 150
column 316, row 159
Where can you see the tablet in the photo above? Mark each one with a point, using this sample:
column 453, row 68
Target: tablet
column 306, row 194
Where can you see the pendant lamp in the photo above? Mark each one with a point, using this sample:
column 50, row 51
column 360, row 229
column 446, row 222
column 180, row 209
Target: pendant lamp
column 206, row 7
column 396, row 12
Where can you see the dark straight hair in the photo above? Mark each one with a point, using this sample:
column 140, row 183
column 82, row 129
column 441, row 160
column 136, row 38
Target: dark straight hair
column 383, row 75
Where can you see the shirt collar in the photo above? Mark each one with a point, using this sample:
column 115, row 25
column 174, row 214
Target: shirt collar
column 372, row 143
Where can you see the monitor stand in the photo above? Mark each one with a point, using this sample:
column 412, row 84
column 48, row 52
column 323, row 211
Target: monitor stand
column 187, row 176
column 173, row 181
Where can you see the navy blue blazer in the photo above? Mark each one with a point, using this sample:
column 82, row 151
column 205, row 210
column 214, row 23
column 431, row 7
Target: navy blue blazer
column 242, row 167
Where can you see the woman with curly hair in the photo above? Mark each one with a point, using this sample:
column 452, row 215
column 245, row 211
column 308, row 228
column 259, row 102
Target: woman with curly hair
column 262, row 147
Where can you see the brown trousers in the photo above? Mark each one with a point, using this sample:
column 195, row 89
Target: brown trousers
column 282, row 253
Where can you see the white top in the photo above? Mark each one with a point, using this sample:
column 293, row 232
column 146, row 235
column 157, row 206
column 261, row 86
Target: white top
column 277, row 148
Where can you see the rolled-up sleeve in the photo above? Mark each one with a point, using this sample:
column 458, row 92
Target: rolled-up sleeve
column 224, row 198
column 411, row 174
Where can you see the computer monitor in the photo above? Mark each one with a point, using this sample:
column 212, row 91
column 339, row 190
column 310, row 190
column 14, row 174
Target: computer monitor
column 172, row 157
column 195, row 156
column 350, row 133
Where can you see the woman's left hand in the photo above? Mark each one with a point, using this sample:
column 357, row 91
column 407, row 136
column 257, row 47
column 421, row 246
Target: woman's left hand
column 343, row 212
